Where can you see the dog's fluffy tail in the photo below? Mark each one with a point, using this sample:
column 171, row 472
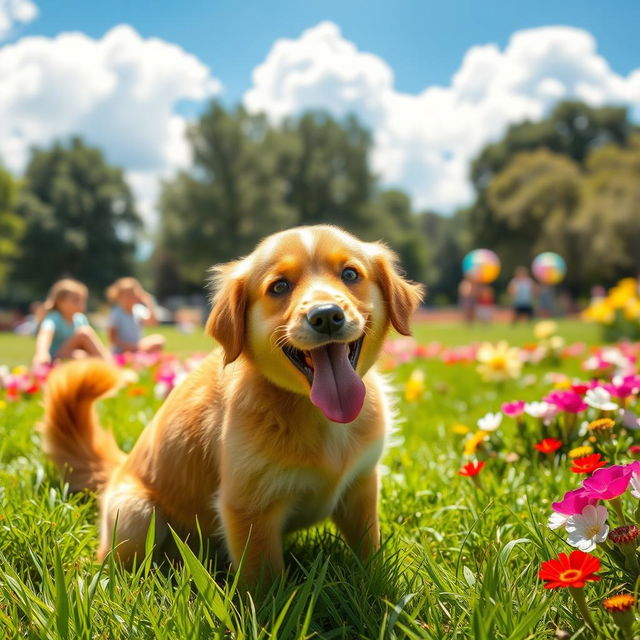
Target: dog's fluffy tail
column 71, row 434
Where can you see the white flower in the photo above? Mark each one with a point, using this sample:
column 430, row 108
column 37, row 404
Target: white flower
column 129, row 376
column 600, row 398
column 542, row 410
column 588, row 528
column 161, row 390
column 557, row 520
column 635, row 485
column 490, row 422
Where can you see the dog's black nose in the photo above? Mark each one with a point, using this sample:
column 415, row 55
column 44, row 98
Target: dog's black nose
column 326, row 318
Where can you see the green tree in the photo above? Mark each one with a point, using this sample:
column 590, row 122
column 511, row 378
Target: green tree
column 230, row 199
column 608, row 220
column 11, row 225
column 572, row 129
column 79, row 216
column 250, row 179
column 325, row 165
column 534, row 200
column 536, row 187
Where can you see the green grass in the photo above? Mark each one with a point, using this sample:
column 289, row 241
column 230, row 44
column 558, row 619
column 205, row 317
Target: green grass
column 16, row 350
column 456, row 562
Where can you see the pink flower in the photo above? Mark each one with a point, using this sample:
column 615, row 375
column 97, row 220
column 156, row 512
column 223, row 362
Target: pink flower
column 513, row 409
column 623, row 387
column 610, row 482
column 574, row 502
column 574, row 350
column 568, row 401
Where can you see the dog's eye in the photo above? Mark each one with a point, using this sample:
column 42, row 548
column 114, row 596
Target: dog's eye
column 280, row 287
column 350, row 275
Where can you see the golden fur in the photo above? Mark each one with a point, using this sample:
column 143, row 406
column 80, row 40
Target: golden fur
column 238, row 448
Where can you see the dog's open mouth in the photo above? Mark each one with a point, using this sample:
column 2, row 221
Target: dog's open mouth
column 304, row 362
column 336, row 388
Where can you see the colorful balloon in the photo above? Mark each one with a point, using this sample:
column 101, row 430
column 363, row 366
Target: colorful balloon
column 549, row 268
column 481, row 265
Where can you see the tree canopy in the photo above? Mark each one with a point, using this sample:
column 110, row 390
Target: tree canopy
column 11, row 225
column 569, row 184
column 79, row 218
column 251, row 178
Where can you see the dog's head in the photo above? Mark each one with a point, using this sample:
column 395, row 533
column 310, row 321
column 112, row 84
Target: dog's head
column 310, row 308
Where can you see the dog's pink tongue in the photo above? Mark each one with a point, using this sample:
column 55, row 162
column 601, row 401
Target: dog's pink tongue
column 337, row 390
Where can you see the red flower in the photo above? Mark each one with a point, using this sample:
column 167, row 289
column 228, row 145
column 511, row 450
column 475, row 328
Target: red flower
column 587, row 464
column 634, row 451
column 570, row 571
column 471, row 469
column 548, row 445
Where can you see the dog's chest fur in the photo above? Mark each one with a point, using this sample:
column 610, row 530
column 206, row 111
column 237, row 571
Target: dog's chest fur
column 315, row 493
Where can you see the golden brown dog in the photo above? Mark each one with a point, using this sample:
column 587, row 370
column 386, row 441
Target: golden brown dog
column 279, row 430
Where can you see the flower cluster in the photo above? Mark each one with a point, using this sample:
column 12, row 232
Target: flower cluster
column 619, row 311
column 587, row 515
column 165, row 370
column 495, row 362
column 22, row 381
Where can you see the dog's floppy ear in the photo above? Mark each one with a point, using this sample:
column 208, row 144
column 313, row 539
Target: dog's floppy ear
column 401, row 296
column 227, row 320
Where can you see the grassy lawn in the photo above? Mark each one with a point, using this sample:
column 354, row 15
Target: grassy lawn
column 457, row 562
column 15, row 350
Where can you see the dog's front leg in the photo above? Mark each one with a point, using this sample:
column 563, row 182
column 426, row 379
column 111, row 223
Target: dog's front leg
column 356, row 515
column 255, row 538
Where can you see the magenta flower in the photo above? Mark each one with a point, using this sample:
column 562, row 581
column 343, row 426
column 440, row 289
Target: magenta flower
column 574, row 502
column 623, row 387
column 513, row 409
column 610, row 482
column 567, row 400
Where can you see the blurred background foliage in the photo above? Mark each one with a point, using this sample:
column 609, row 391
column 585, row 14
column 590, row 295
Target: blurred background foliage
column 569, row 183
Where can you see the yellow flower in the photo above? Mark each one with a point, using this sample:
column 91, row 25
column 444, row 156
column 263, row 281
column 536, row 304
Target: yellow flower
column 601, row 312
column 556, row 342
column 474, row 442
column 545, row 329
column 3, row 404
column 414, row 388
column 460, row 429
column 625, row 290
column 19, row 371
column 632, row 309
column 498, row 362
column 602, row 425
column 578, row 452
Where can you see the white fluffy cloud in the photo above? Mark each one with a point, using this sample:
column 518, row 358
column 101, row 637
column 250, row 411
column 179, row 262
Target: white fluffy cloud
column 120, row 92
column 424, row 142
column 13, row 11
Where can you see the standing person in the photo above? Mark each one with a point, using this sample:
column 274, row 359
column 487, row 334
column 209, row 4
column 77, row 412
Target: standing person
column 65, row 331
column 522, row 290
column 468, row 299
column 133, row 308
column 486, row 303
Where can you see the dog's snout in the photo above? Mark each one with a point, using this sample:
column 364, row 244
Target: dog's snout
column 326, row 318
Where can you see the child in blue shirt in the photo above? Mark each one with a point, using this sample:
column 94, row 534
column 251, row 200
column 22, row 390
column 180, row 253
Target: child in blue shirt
column 133, row 308
column 65, row 331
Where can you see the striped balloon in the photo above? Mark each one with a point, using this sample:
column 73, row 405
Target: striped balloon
column 549, row 268
column 481, row 265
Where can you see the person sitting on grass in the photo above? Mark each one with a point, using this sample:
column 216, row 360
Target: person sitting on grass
column 133, row 307
column 65, row 331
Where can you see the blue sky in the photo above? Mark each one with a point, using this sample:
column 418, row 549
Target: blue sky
column 434, row 82
column 423, row 41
